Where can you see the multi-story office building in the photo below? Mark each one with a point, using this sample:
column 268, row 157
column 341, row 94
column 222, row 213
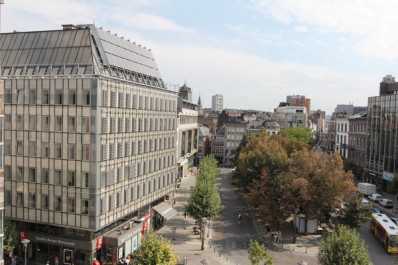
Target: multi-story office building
column 382, row 145
column 187, row 131
column 217, row 103
column 218, row 144
column 89, row 142
column 1, row 172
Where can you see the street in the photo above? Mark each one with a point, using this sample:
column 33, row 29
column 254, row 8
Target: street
column 232, row 239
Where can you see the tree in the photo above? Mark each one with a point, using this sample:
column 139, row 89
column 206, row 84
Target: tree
column 318, row 183
column 258, row 253
column 10, row 235
column 303, row 134
column 356, row 213
column 205, row 204
column 241, row 145
column 260, row 152
column 343, row 247
column 154, row 250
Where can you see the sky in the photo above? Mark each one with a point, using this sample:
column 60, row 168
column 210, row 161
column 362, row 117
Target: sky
column 253, row 52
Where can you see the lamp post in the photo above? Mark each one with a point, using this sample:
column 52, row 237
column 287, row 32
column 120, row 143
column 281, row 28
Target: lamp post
column 294, row 225
column 25, row 243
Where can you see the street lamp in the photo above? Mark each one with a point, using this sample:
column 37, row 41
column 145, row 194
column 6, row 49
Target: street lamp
column 25, row 243
column 294, row 225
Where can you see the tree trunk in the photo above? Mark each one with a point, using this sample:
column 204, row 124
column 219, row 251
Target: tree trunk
column 202, row 235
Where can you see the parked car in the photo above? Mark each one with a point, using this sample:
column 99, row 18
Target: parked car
column 375, row 197
column 375, row 210
column 365, row 201
column 387, row 203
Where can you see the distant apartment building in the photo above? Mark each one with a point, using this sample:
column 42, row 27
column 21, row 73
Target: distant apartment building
column 382, row 145
column 218, row 145
column 342, row 133
column 358, row 132
column 89, row 143
column 217, row 103
column 291, row 116
column 187, row 131
column 318, row 119
column 234, row 132
column 297, row 100
column 270, row 127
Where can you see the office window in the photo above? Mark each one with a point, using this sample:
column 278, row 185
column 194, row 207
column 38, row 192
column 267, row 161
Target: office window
column 86, row 97
column 32, row 174
column 45, row 126
column 57, row 177
column 20, row 96
column 20, row 122
column 120, row 149
column 113, row 125
column 71, row 205
column 105, row 98
column 71, row 178
column 71, row 124
column 32, row 97
column 45, row 97
column 113, row 150
column 84, row 207
column 71, row 151
column 72, row 97
column 58, row 123
column 44, row 202
column 32, row 200
column 32, row 122
column 113, row 99
column 104, row 125
column 120, row 125
column 86, row 152
column 58, row 151
column 85, row 179
column 121, row 100
column 58, row 97
column 128, row 101
column 44, row 175
column 85, row 124
column 32, row 149
column 57, row 203
column 7, row 96
column 119, row 199
column 7, row 197
column 45, row 150
column 19, row 199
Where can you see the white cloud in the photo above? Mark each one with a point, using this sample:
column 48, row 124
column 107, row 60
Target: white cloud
column 372, row 22
column 301, row 29
column 254, row 82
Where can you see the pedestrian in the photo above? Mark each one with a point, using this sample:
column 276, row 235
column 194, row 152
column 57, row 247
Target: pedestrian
column 48, row 262
column 13, row 260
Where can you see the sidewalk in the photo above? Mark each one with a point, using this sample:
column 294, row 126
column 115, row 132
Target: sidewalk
column 186, row 244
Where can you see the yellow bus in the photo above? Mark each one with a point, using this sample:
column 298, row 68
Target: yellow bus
column 386, row 231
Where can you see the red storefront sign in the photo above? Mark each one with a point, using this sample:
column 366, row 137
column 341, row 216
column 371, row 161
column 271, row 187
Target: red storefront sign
column 22, row 234
column 99, row 242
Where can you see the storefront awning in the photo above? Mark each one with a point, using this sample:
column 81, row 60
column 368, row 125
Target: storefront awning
column 165, row 210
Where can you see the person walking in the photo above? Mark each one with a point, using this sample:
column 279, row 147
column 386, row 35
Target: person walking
column 13, row 260
column 239, row 217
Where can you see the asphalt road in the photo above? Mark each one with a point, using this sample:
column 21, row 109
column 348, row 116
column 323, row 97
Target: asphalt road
column 232, row 239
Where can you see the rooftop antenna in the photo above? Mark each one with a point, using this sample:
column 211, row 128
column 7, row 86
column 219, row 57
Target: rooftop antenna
column 1, row 3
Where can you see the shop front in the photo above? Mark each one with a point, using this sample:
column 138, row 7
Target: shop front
column 120, row 242
column 56, row 250
column 162, row 212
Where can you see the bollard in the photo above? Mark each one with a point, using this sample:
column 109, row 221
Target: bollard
column 185, row 261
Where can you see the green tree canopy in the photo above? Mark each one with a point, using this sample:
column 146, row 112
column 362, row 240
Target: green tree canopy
column 343, row 247
column 300, row 133
column 258, row 253
column 356, row 213
column 154, row 250
column 260, row 153
column 10, row 235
